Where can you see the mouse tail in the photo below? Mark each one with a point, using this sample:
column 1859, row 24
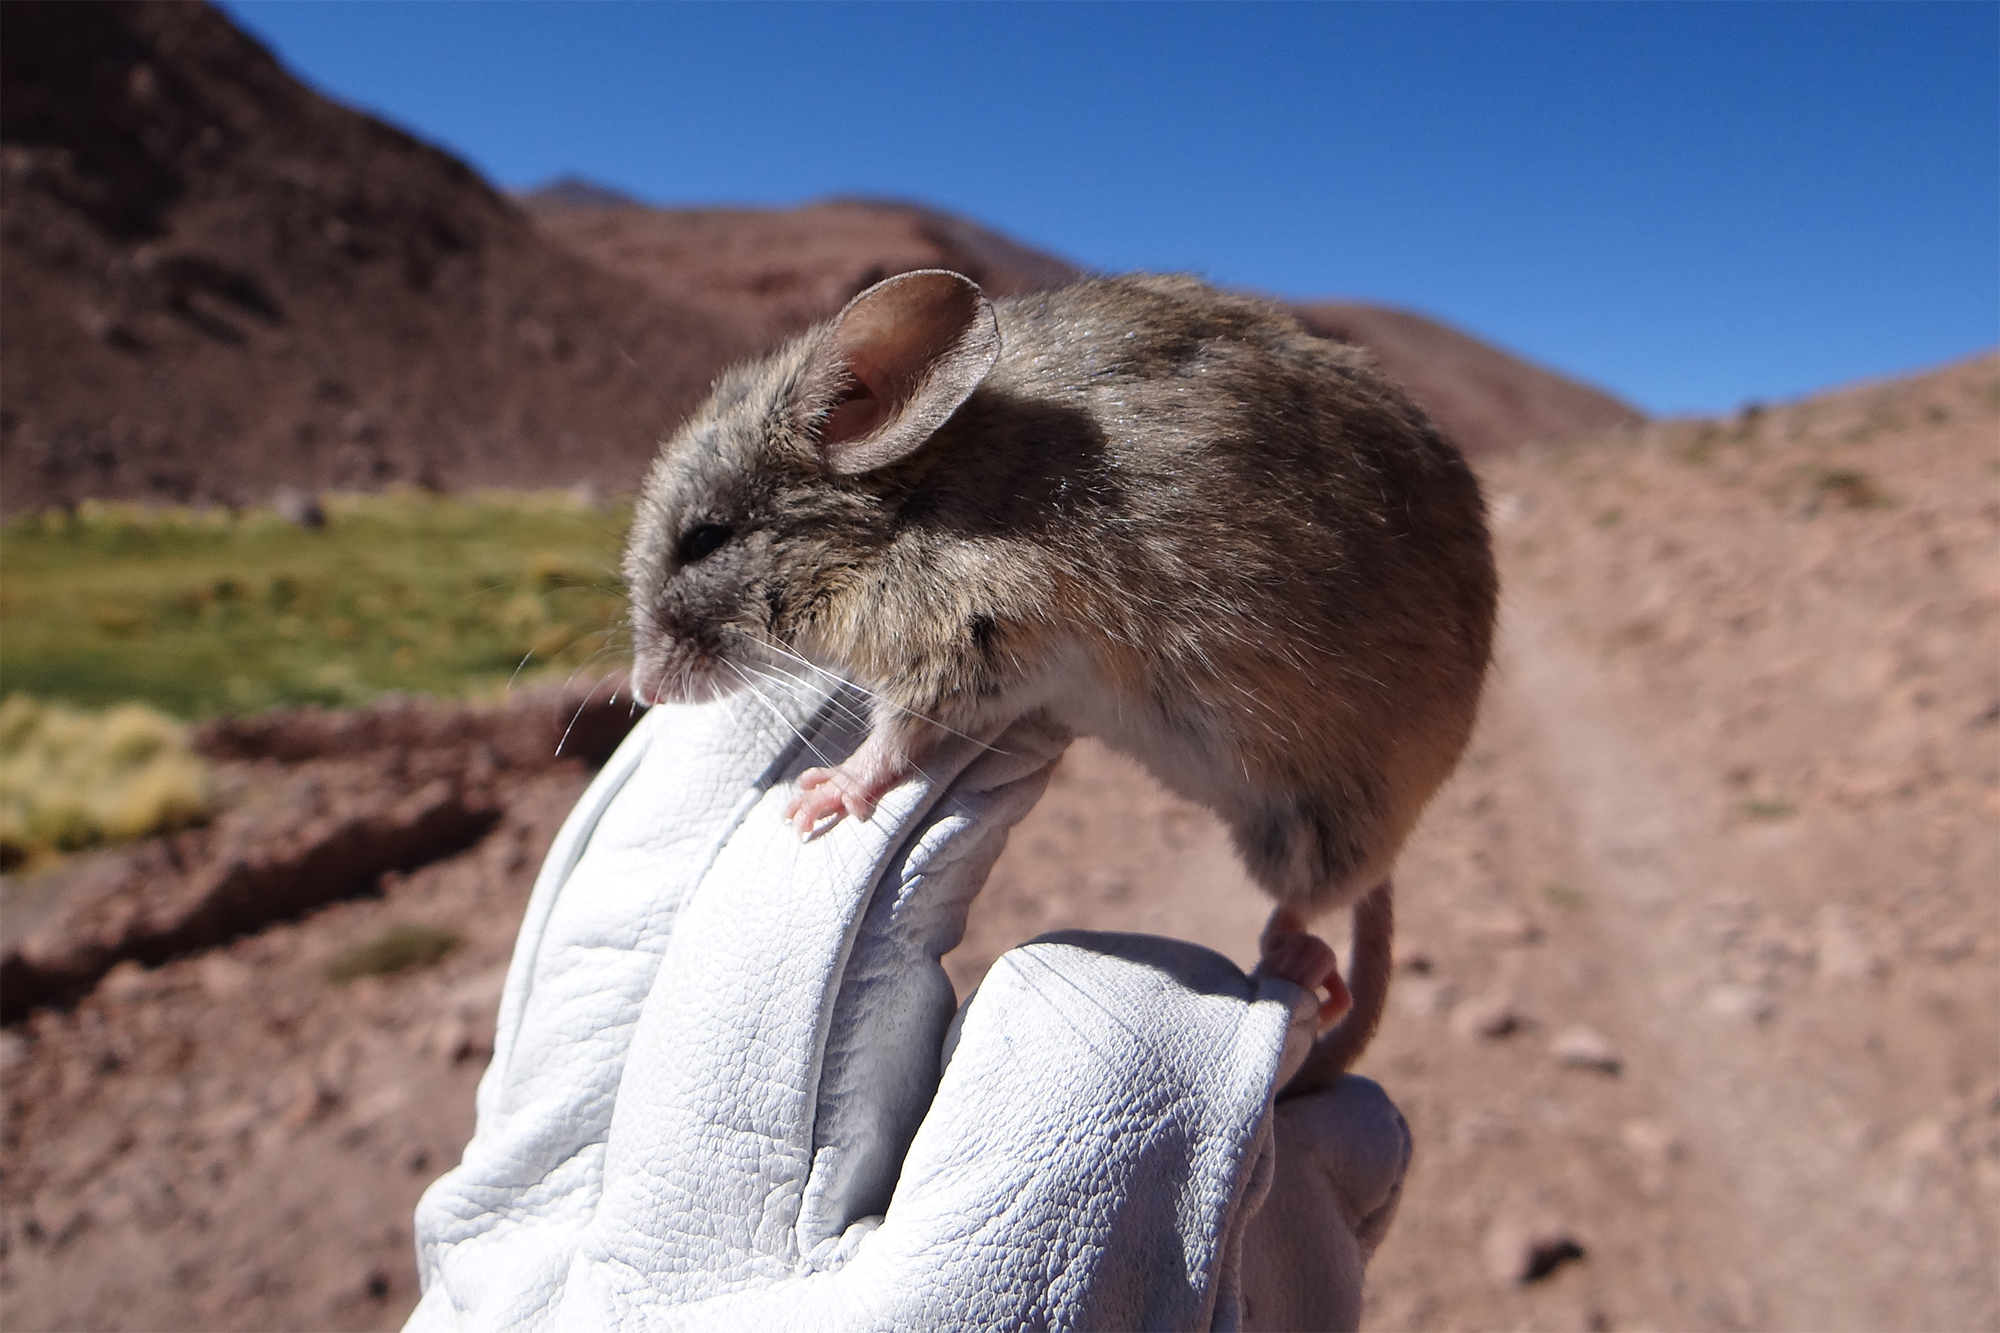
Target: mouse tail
column 1368, row 982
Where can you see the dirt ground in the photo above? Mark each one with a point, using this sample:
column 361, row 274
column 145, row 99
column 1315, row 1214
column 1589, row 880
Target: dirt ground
column 1697, row 1021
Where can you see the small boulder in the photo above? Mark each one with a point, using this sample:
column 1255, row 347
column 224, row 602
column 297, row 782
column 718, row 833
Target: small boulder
column 1585, row 1048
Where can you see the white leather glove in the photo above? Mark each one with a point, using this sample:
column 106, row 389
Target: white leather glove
column 722, row 1094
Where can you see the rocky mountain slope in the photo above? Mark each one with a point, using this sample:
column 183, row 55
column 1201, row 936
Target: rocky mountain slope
column 218, row 283
column 1488, row 400
column 780, row 270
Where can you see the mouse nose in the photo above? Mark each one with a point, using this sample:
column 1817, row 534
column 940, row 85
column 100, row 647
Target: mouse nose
column 648, row 675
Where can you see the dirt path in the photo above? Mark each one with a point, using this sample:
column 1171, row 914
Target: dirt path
column 1806, row 1216
column 1733, row 807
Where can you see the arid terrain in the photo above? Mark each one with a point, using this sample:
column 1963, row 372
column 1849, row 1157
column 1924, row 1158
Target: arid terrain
column 1697, row 1016
column 1700, row 949
column 1699, row 992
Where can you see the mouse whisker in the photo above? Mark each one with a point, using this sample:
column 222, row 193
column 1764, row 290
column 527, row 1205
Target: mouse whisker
column 790, row 725
column 777, row 673
column 950, row 802
column 874, row 696
column 594, row 656
column 846, row 710
column 575, row 717
column 818, row 671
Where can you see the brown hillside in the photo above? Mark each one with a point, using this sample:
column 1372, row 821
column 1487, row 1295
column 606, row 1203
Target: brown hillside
column 217, row 282
column 779, row 270
column 1486, row 399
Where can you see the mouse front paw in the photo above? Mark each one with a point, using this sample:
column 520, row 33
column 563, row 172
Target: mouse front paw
column 825, row 797
column 852, row 787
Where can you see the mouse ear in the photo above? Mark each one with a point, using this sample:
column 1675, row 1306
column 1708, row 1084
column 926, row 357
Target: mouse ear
column 904, row 354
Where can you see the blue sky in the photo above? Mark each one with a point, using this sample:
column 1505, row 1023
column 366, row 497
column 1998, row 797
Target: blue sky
column 1692, row 205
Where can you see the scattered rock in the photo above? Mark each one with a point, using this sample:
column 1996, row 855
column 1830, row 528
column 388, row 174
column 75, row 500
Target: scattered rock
column 1423, row 996
column 310, row 1102
column 1656, row 1149
column 1742, row 1002
column 1506, row 926
column 1843, row 954
column 127, row 981
column 1547, row 1254
column 1518, row 1253
column 225, row 977
column 13, row 1050
column 1487, row 1017
column 1584, row 1048
column 299, row 507
column 450, row 1039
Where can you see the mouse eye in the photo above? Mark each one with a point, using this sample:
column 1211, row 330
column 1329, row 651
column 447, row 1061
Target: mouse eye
column 703, row 541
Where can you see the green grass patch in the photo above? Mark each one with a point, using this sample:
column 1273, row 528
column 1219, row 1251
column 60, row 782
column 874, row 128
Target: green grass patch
column 1848, row 487
column 1812, row 488
column 397, row 949
column 1566, row 896
column 1768, row 807
column 203, row 612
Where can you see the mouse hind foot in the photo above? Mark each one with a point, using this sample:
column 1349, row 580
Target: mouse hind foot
column 1289, row 953
column 1368, row 977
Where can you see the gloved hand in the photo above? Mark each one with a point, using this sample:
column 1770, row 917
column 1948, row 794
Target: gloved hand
column 728, row 1089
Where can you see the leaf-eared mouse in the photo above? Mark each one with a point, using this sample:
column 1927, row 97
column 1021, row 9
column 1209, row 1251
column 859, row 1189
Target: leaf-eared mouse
column 1163, row 514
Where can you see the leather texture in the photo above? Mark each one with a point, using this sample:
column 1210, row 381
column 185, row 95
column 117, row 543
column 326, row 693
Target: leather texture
column 730, row 1089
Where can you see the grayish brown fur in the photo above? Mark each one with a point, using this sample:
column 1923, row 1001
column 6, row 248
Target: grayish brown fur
column 1166, row 514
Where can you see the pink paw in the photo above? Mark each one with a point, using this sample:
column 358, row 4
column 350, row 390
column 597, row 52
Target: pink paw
column 825, row 796
column 1307, row 961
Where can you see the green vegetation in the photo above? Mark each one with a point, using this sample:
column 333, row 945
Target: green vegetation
column 1811, row 488
column 1773, row 807
column 70, row 780
column 200, row 612
column 1698, row 449
column 397, row 949
column 1562, row 895
column 1849, row 487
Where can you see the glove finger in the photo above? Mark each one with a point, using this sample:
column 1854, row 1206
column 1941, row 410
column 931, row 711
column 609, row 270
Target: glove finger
column 712, row 1145
column 1091, row 1148
column 1343, row 1152
column 881, row 1062
column 496, row 1230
